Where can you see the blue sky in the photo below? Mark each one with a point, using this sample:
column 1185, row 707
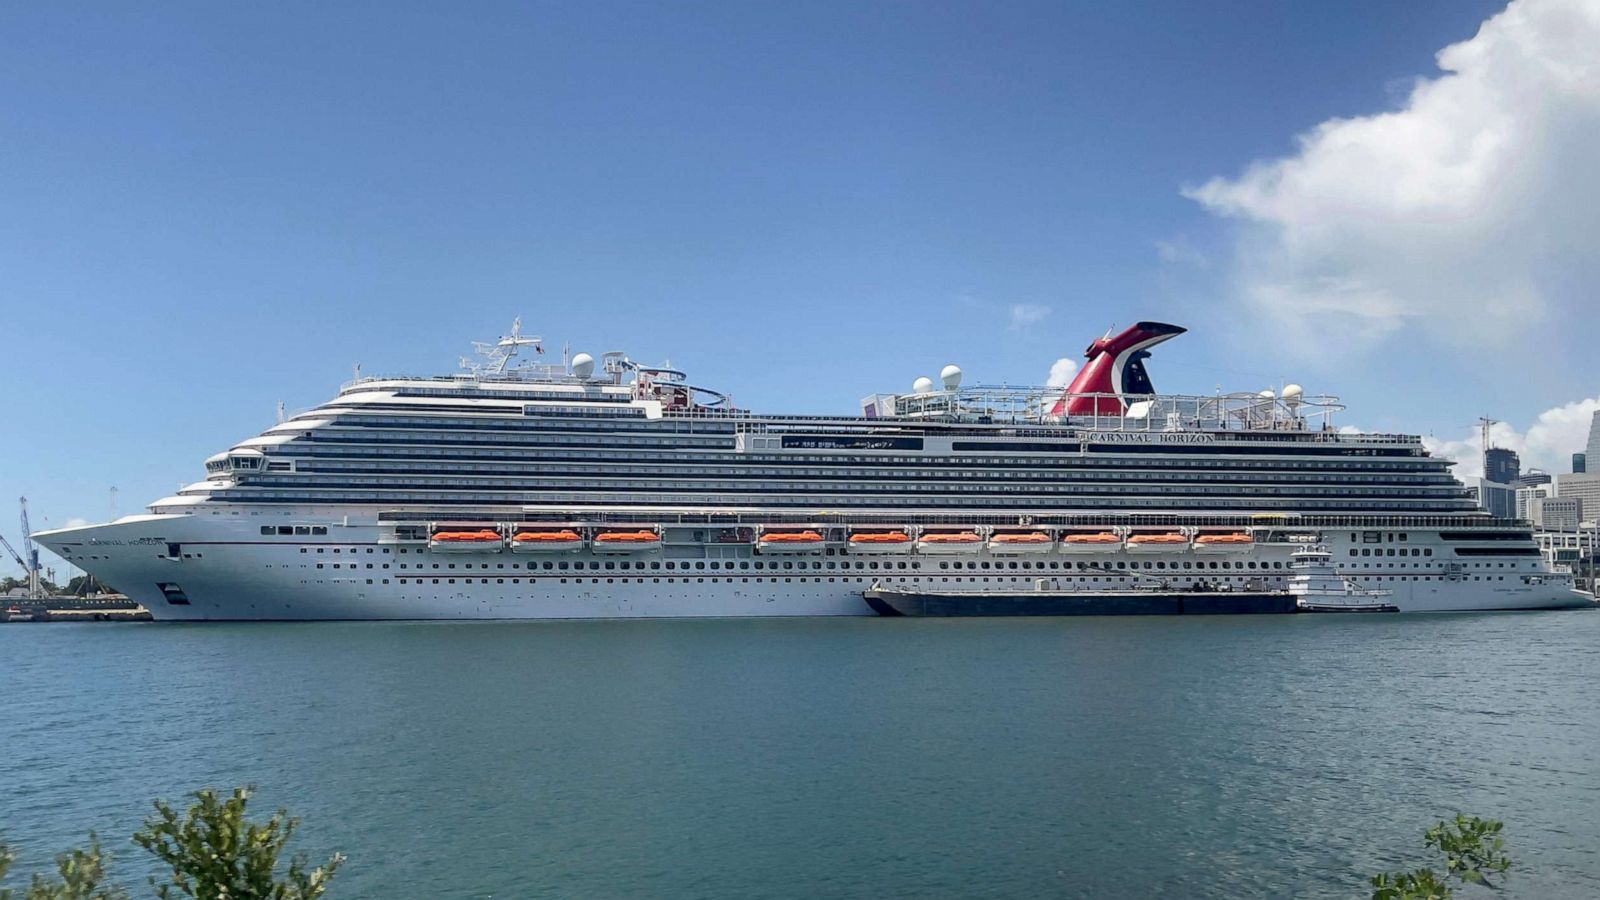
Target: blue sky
column 207, row 209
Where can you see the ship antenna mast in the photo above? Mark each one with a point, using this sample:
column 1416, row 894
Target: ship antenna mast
column 497, row 356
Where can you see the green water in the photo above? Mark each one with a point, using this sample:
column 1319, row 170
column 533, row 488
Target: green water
column 1188, row 757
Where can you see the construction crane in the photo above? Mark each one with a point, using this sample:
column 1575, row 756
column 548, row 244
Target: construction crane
column 30, row 555
column 14, row 554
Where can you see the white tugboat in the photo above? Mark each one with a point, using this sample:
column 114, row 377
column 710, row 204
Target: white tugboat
column 1317, row 586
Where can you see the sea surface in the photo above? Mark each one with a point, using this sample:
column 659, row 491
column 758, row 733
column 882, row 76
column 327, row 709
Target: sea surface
column 1274, row 756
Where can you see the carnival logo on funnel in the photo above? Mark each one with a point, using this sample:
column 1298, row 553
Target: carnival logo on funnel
column 1114, row 372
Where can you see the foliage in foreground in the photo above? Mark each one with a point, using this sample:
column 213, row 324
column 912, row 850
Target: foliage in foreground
column 214, row 852
column 1473, row 850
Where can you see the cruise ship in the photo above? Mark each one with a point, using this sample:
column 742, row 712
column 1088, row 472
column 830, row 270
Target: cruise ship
column 525, row 489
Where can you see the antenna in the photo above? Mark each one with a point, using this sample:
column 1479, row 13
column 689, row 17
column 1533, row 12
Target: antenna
column 499, row 354
column 282, row 416
column 114, row 502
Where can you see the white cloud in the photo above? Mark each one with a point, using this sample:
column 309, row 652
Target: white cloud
column 1026, row 314
column 1469, row 211
column 1061, row 372
column 1547, row 444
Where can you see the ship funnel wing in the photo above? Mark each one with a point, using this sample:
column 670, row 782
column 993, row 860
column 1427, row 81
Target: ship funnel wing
column 1114, row 375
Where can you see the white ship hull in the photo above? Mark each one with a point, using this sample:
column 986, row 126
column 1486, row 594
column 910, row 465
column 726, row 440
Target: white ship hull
column 225, row 570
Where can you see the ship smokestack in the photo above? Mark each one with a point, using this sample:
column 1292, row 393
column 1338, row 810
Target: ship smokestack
column 1114, row 371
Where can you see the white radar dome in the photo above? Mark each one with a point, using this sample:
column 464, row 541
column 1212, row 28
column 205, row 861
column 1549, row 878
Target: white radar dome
column 951, row 376
column 1292, row 394
column 923, row 385
column 1266, row 394
column 583, row 365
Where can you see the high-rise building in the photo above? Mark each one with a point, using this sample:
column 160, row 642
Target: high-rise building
column 1580, row 463
column 1499, row 499
column 1585, row 487
column 1533, row 478
column 1527, row 496
column 1501, row 466
column 1593, row 450
column 1556, row 513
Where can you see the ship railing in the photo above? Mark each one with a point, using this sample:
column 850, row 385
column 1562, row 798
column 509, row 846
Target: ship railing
column 1113, row 412
column 527, row 374
column 1298, row 523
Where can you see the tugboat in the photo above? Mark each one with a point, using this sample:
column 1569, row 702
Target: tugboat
column 1317, row 586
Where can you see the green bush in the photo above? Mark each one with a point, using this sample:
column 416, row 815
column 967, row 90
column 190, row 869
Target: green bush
column 214, row 852
column 1473, row 850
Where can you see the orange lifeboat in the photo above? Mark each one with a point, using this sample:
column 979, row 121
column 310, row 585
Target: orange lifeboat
column 473, row 541
column 880, row 542
column 1229, row 542
column 559, row 541
column 804, row 541
column 1015, row 542
column 946, row 542
column 1097, row 542
column 626, row 541
column 1164, row 542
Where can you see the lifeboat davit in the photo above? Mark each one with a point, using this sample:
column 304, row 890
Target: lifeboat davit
column 626, row 541
column 1223, row 543
column 805, row 541
column 1097, row 542
column 880, row 542
column 949, row 542
column 1019, row 542
column 560, row 541
column 1164, row 542
column 478, row 540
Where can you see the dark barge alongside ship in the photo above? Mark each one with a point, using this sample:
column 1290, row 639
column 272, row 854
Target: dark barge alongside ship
column 896, row 602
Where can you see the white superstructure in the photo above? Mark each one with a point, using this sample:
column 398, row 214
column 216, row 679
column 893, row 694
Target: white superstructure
column 585, row 490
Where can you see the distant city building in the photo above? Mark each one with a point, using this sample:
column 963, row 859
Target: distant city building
column 1532, row 478
column 1580, row 463
column 1502, row 466
column 1500, row 500
column 1526, row 497
column 1556, row 513
column 1584, row 486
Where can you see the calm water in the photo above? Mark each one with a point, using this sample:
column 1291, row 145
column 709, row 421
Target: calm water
column 1224, row 757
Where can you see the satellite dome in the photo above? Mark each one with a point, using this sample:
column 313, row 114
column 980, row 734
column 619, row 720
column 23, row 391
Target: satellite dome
column 583, row 365
column 951, row 376
column 1266, row 394
column 923, row 385
column 1292, row 394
